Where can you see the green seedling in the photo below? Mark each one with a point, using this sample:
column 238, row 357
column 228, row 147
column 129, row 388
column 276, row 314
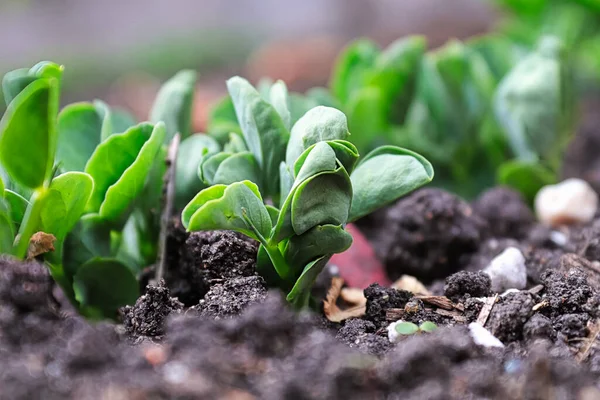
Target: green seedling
column 294, row 188
column 408, row 328
column 81, row 175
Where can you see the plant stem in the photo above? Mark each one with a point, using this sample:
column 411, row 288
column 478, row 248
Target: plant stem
column 168, row 199
column 29, row 223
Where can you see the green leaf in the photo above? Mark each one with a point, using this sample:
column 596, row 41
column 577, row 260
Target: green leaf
column 226, row 168
column 79, row 132
column 17, row 205
column 238, row 207
column 531, row 104
column 352, row 67
column 7, row 228
column 367, row 117
column 322, row 199
column 28, row 124
column 384, row 175
column 525, row 177
column 300, row 293
column 222, row 121
column 102, row 286
column 187, row 183
column 263, row 129
column 14, row 82
column 406, row 328
column 316, row 242
column 173, row 104
column 64, row 203
column 119, row 167
column 235, row 144
column 427, row 326
column 318, row 124
column 279, row 98
column 89, row 238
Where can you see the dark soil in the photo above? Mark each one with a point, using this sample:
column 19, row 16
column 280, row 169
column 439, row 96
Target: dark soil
column 428, row 234
column 467, row 284
column 506, row 213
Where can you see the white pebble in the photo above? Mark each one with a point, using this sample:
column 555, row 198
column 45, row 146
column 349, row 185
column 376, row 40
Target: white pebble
column 507, row 270
column 569, row 202
column 483, row 337
column 393, row 335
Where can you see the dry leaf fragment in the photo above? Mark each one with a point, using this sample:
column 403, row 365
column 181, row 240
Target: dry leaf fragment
column 484, row 314
column 441, row 302
column 353, row 296
column 410, row 284
column 332, row 312
column 40, row 243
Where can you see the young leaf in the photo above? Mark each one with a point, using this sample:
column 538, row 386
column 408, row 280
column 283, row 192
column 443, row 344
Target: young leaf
column 119, row 167
column 225, row 168
column 238, row 207
column 279, row 98
column 222, row 121
column 427, row 326
column 322, row 199
column 79, row 132
column 103, row 285
column 367, row 117
column 28, row 124
column 263, row 129
column 384, row 175
column 300, row 293
column 316, row 242
column 17, row 205
column 14, row 82
column 7, row 228
column 65, row 202
column 351, row 68
column 191, row 150
column 173, row 104
column 318, row 124
column 406, row 328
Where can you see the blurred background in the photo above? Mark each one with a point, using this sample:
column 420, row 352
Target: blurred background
column 121, row 51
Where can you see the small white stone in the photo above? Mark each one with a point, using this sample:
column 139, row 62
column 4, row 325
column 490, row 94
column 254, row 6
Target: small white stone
column 509, row 291
column 569, row 202
column 559, row 238
column 483, row 337
column 393, row 335
column 507, row 270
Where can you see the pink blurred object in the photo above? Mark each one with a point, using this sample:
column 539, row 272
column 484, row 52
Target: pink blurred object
column 358, row 266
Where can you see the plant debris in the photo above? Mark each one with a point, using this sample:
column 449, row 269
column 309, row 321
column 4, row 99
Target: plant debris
column 330, row 308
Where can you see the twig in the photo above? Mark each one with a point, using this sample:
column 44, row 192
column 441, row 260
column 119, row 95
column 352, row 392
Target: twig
column 592, row 337
column 441, row 302
column 486, row 310
column 167, row 210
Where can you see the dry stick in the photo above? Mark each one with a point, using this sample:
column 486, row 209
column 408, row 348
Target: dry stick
column 488, row 304
column 168, row 196
column 592, row 337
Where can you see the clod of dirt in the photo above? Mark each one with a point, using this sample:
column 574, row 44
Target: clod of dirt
column 379, row 299
column 229, row 299
column 27, row 286
column 360, row 334
column 572, row 201
column 566, row 292
column 474, row 284
column 572, row 325
column 208, row 258
column 147, row 317
column 507, row 270
column 505, row 211
column 509, row 316
column 588, row 241
column 428, row 234
column 538, row 327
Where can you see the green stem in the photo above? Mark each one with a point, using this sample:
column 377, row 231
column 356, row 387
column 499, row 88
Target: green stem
column 29, row 223
column 281, row 266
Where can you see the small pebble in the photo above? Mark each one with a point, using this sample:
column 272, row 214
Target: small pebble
column 507, row 270
column 393, row 335
column 483, row 337
column 569, row 202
